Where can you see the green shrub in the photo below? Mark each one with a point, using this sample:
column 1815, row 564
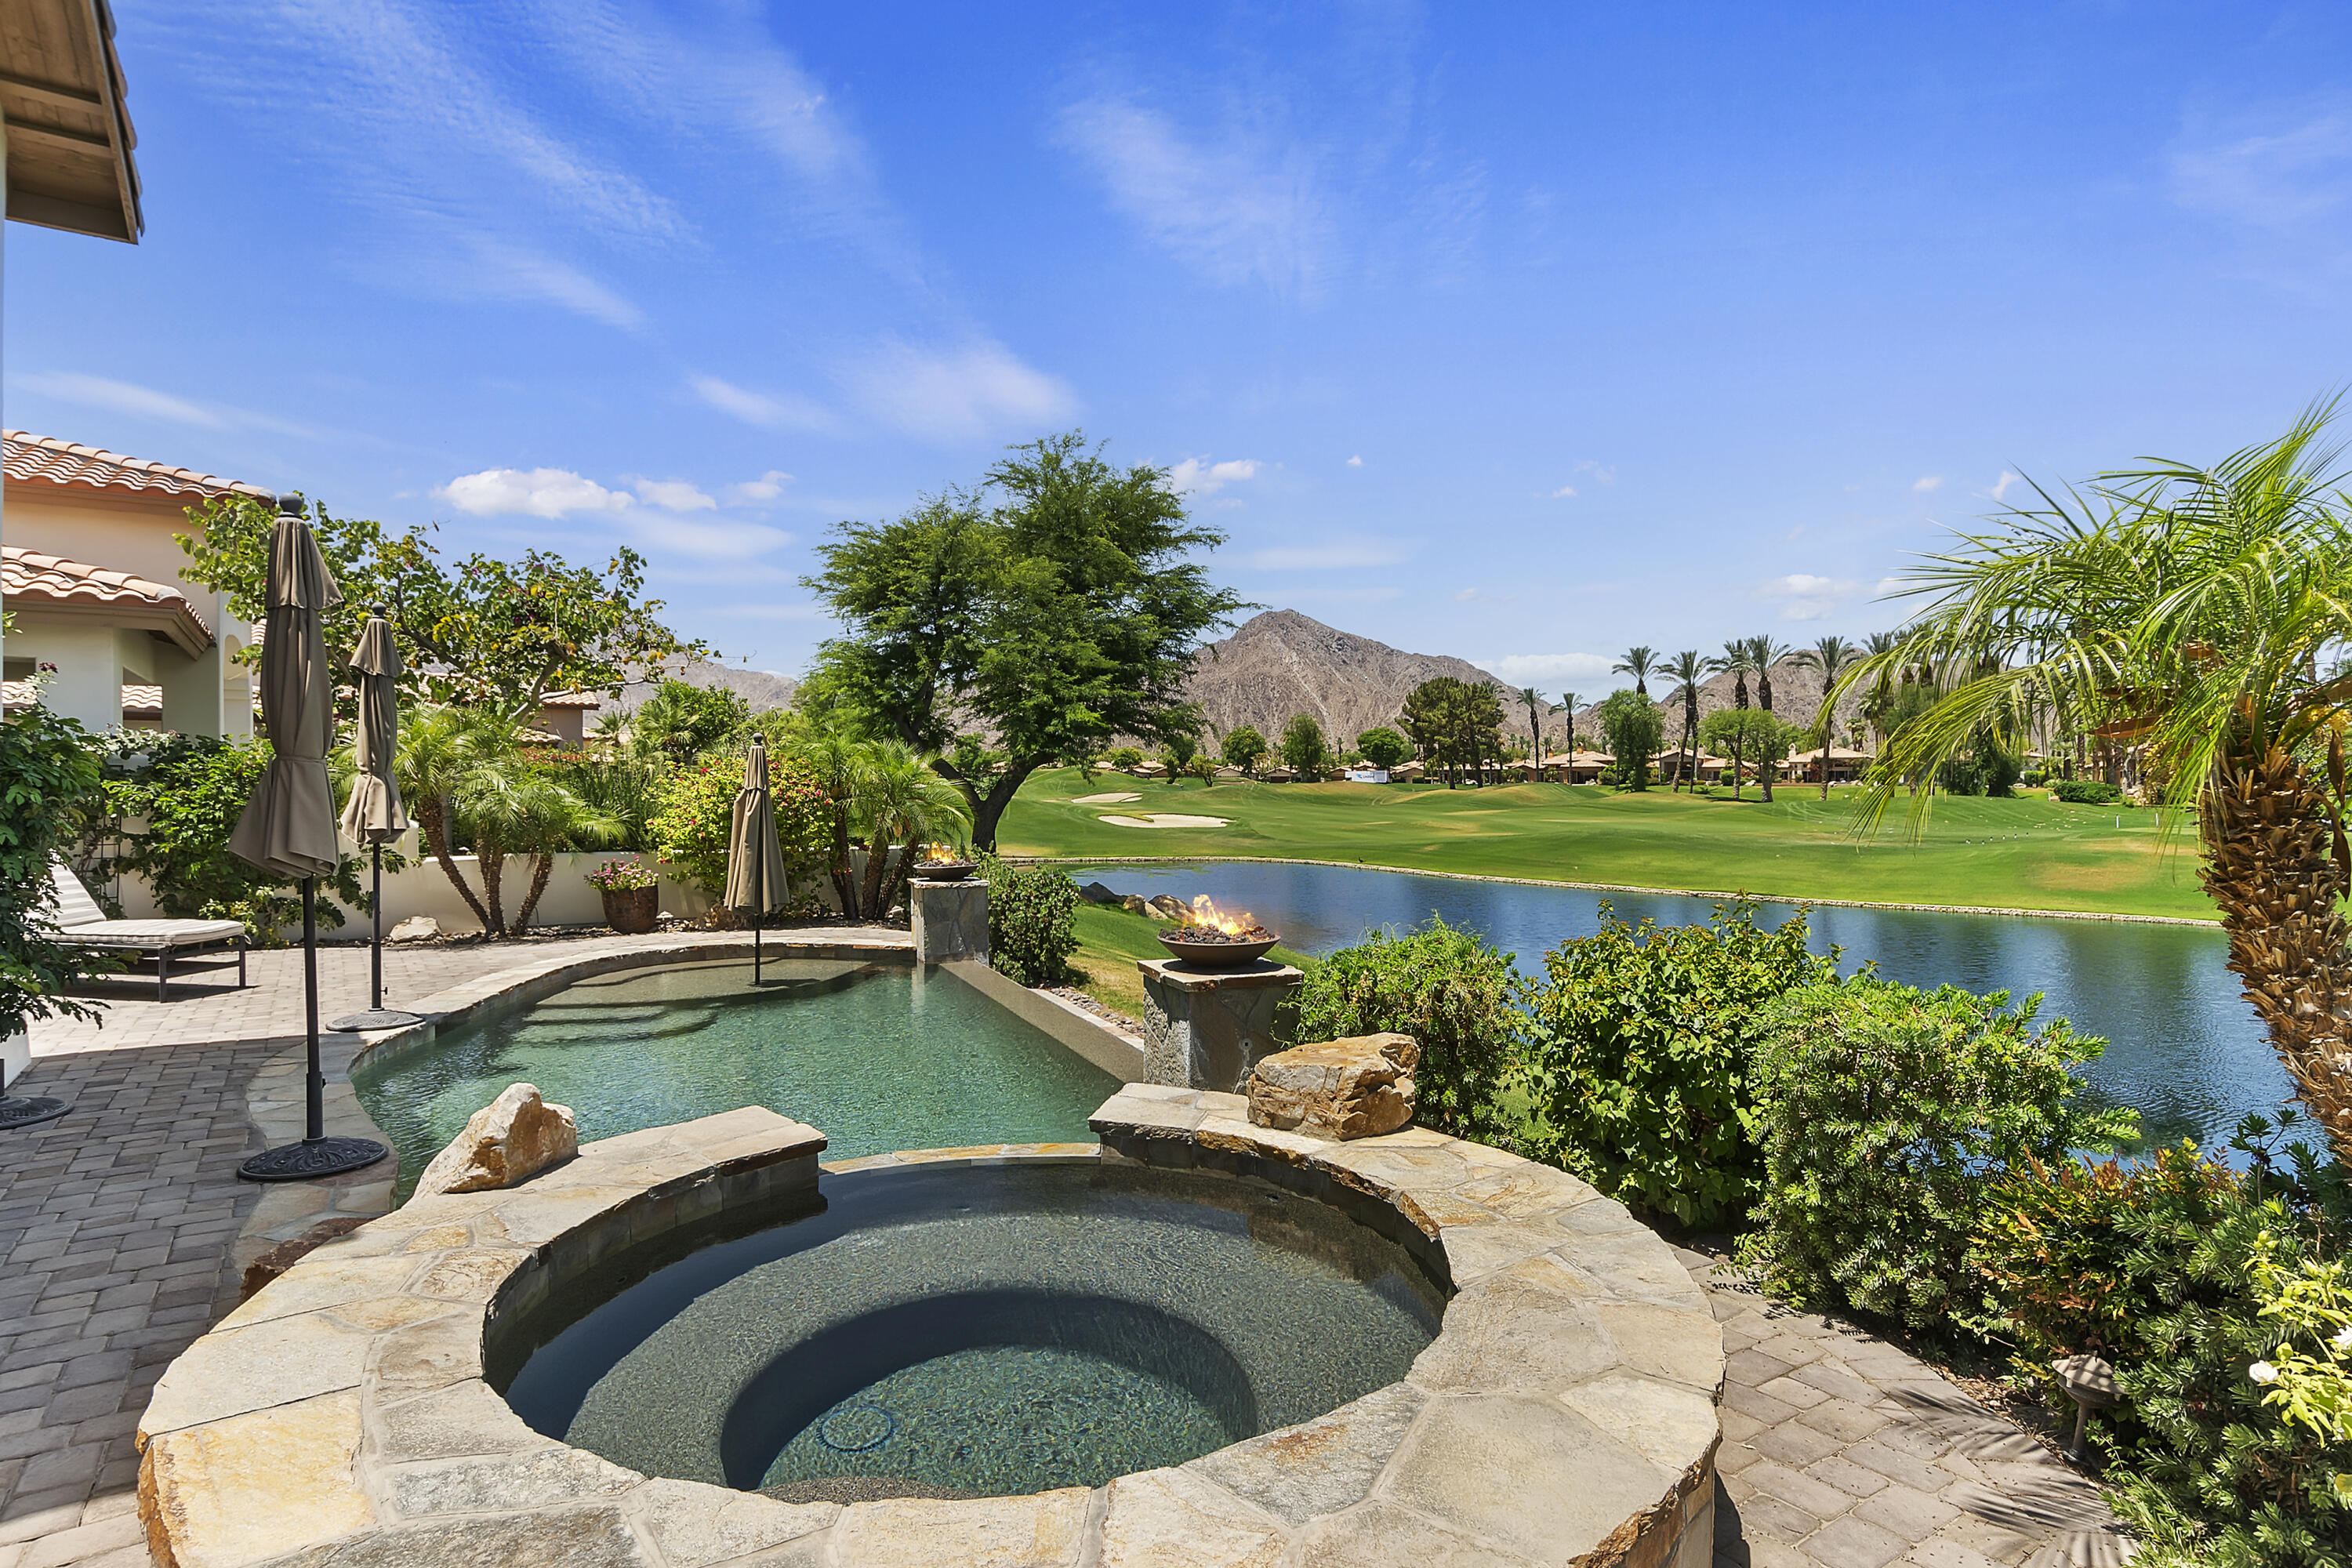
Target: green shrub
column 2156, row 1267
column 694, row 816
column 1033, row 920
column 2087, row 792
column 1450, row 991
column 1122, row 758
column 679, row 722
column 1639, row 1056
column 1886, row 1115
column 48, row 786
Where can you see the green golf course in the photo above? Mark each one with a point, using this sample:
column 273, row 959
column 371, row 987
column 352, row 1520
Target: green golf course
column 2025, row 853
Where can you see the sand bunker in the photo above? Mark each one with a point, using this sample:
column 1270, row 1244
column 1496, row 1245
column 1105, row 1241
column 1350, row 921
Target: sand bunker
column 1104, row 799
column 1164, row 819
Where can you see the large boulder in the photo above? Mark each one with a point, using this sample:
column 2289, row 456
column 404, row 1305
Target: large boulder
column 506, row 1143
column 1356, row 1087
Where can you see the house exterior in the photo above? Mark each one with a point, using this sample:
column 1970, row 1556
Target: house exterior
column 90, row 572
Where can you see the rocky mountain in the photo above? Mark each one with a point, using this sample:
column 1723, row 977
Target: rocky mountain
column 1282, row 663
column 756, row 687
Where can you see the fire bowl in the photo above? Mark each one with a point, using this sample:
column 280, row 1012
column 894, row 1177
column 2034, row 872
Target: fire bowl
column 1214, row 950
column 944, row 871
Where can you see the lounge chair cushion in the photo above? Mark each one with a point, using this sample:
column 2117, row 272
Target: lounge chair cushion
column 79, row 917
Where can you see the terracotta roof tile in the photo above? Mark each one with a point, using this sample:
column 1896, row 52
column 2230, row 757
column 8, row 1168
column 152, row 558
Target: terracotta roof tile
column 28, row 457
column 36, row 577
column 571, row 699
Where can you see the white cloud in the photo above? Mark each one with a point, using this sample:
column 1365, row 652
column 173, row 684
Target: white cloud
column 1237, row 211
column 958, row 395
column 673, row 495
column 1563, row 492
column 770, row 411
column 1326, row 557
column 1806, row 597
column 1191, row 477
column 753, row 492
column 2001, row 486
column 147, row 402
column 1927, row 482
column 1887, row 585
column 1526, row 669
column 537, row 492
column 1599, row 472
column 1356, row 462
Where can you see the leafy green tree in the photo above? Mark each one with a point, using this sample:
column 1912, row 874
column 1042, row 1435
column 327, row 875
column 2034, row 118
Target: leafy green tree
column 1302, row 748
column 1123, row 758
column 1635, row 731
column 1746, row 734
column 1383, row 747
column 680, row 721
column 48, row 788
column 1063, row 614
column 1641, row 1048
column 1458, row 724
column 1245, row 749
column 1178, row 753
column 479, row 630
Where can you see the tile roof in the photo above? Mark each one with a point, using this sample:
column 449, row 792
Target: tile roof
column 35, row 577
column 27, row 456
column 139, row 702
column 571, row 699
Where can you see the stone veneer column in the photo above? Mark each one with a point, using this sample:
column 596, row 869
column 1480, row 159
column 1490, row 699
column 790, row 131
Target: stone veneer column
column 950, row 920
column 1206, row 1028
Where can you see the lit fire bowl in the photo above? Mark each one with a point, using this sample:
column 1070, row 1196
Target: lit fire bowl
column 944, row 871
column 1213, row 948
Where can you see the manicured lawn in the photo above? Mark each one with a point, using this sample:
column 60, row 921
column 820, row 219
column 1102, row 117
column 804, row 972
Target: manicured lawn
column 2031, row 852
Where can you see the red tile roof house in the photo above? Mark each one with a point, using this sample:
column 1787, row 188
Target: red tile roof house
column 90, row 572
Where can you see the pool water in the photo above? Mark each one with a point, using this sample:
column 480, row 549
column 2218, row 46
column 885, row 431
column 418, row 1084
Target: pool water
column 2184, row 1047
column 877, row 1056
column 987, row 1329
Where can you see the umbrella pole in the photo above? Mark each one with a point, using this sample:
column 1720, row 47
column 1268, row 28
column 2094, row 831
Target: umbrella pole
column 317, row 1154
column 759, row 912
column 375, row 948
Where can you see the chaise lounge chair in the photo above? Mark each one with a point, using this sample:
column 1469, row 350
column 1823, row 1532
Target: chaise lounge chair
column 79, row 920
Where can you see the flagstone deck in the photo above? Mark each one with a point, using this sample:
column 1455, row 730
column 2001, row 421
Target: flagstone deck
column 117, row 1225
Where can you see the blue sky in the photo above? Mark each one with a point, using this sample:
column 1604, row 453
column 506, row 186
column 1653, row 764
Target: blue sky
column 1523, row 333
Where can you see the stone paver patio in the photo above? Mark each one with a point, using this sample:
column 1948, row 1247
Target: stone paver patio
column 117, row 1224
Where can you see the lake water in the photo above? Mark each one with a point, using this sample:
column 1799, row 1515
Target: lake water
column 2184, row 1048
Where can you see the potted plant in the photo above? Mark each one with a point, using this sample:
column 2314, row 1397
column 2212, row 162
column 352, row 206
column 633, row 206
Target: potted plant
column 632, row 893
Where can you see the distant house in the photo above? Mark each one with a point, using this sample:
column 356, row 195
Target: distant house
column 103, row 619
column 564, row 715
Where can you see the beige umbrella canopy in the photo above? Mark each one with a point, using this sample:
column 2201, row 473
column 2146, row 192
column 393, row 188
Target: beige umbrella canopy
column 288, row 826
column 755, row 861
column 374, row 814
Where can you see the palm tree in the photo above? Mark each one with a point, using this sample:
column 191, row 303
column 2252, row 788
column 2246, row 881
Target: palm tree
column 902, row 802
column 2189, row 613
column 1688, row 667
column 838, row 759
column 1766, row 653
column 1568, row 706
column 1830, row 656
column 1534, row 725
column 436, row 747
column 514, row 809
column 1638, row 662
column 1738, row 658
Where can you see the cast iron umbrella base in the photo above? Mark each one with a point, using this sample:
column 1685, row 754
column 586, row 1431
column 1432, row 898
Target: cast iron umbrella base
column 29, row 1111
column 375, row 1018
column 312, row 1158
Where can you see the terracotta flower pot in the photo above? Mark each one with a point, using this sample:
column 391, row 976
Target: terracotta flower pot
column 632, row 911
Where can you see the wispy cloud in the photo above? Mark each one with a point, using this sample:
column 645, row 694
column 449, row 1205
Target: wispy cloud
column 768, row 486
column 1927, row 482
column 1328, row 556
column 1564, row 492
column 1480, row 596
column 1195, row 477
column 1356, row 462
column 2277, row 178
column 1526, row 669
column 551, row 493
column 673, row 495
column 2001, row 486
column 1805, row 597
column 147, row 402
column 1600, row 473
column 770, row 411
column 955, row 396
column 1238, row 209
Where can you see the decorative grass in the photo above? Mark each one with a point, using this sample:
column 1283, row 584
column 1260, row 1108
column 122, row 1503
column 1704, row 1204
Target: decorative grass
column 2026, row 853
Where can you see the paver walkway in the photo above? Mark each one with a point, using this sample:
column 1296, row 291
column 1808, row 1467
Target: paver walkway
column 1840, row 1451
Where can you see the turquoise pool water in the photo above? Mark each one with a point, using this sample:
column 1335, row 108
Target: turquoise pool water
column 877, row 1056
column 2184, row 1048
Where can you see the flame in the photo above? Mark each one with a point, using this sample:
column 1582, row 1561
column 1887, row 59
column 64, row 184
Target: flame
column 1206, row 913
column 940, row 855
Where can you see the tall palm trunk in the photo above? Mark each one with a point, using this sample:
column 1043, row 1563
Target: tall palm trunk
column 1764, row 764
column 433, row 822
column 542, row 865
column 1690, row 729
column 493, row 861
column 878, row 857
column 2268, row 836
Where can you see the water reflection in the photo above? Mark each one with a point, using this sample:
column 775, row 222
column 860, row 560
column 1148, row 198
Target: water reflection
column 2184, row 1047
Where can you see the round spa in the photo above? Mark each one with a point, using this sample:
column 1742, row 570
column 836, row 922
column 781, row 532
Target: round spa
column 1201, row 1342
column 942, row 1331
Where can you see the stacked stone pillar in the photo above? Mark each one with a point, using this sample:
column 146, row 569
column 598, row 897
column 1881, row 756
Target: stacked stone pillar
column 1206, row 1028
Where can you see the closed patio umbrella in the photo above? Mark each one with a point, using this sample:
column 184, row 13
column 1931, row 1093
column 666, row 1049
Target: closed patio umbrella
column 288, row 826
column 755, row 861
column 373, row 816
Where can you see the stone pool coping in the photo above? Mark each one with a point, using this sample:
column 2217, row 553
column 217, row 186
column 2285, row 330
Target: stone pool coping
column 276, row 1105
column 1565, row 1412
